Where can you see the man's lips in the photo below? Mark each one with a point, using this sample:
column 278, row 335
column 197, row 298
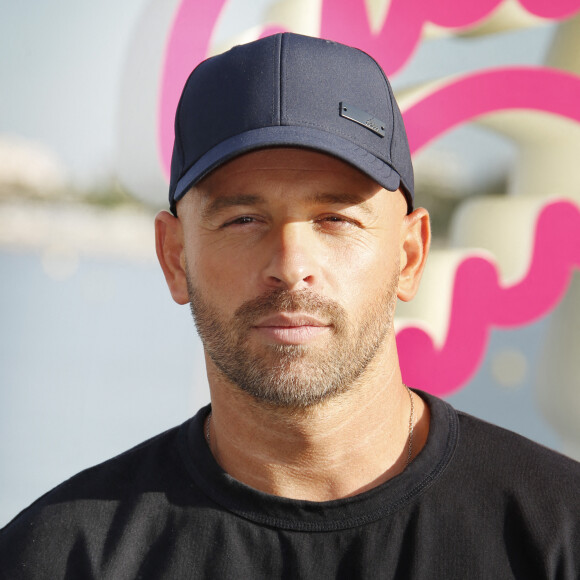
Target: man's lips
column 291, row 328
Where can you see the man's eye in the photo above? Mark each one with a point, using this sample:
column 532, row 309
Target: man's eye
column 335, row 221
column 245, row 219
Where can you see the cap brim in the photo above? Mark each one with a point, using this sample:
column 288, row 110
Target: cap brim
column 291, row 136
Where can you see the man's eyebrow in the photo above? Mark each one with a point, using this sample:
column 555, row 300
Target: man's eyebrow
column 343, row 199
column 218, row 203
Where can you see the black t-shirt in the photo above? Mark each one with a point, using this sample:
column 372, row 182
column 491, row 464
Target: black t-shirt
column 477, row 502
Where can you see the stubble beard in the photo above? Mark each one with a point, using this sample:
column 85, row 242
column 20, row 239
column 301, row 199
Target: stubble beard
column 294, row 376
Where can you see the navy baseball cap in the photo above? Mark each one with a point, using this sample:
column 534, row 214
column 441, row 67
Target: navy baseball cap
column 289, row 90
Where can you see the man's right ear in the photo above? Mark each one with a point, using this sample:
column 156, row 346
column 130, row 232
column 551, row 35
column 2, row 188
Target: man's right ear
column 171, row 254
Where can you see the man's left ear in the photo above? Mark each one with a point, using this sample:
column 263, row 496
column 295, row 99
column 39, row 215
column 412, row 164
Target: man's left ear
column 415, row 241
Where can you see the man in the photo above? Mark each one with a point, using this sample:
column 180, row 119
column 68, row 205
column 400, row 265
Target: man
column 292, row 235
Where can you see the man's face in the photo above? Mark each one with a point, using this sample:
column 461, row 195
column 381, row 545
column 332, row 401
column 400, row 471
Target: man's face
column 292, row 261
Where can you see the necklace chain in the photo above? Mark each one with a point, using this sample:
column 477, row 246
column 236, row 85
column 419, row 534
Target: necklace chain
column 411, row 427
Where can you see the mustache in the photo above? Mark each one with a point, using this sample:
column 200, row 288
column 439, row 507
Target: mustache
column 282, row 300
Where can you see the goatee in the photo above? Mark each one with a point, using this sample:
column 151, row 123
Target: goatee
column 293, row 376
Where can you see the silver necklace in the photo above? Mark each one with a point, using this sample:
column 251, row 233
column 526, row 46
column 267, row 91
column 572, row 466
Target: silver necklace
column 411, row 427
column 207, row 428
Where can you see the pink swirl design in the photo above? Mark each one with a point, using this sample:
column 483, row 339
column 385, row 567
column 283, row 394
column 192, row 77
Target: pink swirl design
column 480, row 303
column 347, row 21
column 341, row 20
column 469, row 97
column 187, row 46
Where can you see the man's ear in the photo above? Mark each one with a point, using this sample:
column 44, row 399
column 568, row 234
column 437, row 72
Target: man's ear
column 415, row 241
column 171, row 254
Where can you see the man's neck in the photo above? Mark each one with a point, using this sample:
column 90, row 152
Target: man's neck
column 336, row 449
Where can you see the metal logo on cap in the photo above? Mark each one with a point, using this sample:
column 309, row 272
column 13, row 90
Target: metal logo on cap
column 362, row 118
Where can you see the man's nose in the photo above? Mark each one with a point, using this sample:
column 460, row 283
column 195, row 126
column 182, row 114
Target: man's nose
column 293, row 260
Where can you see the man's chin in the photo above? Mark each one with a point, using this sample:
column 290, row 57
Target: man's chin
column 290, row 380
column 288, row 392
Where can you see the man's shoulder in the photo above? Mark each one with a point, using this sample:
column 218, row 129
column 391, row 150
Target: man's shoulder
column 118, row 507
column 98, row 490
column 130, row 468
column 114, row 503
column 496, row 439
column 518, row 464
column 484, row 452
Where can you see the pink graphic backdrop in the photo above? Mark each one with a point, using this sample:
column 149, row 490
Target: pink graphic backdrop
column 479, row 302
